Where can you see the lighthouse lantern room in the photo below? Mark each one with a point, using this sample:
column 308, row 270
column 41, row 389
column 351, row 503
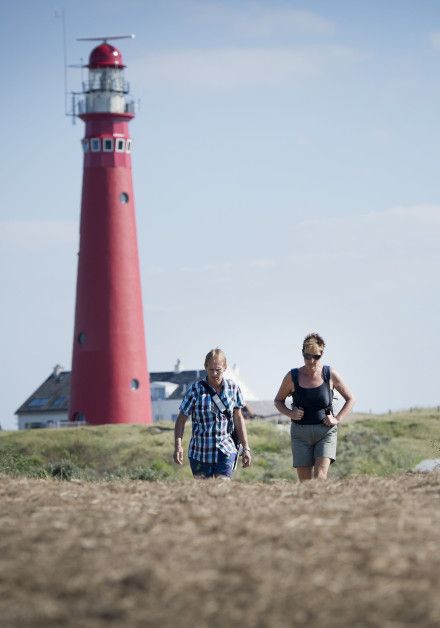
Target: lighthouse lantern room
column 110, row 380
column 106, row 88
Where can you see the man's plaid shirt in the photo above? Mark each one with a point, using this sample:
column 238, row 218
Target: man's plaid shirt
column 211, row 431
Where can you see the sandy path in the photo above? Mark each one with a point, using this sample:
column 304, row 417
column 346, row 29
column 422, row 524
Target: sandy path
column 359, row 552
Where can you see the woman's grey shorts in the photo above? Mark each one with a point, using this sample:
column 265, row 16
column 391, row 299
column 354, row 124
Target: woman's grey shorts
column 312, row 441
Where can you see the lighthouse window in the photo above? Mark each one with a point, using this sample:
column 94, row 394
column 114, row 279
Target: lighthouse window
column 120, row 146
column 82, row 338
column 134, row 384
column 123, row 197
column 85, row 144
column 108, row 145
column 95, row 144
column 128, row 146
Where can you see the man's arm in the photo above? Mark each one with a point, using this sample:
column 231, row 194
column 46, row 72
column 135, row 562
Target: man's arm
column 179, row 429
column 240, row 426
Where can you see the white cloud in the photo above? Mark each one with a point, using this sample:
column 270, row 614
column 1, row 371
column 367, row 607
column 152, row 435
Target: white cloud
column 395, row 230
column 391, row 248
column 434, row 39
column 209, row 268
column 240, row 67
column 256, row 19
column 37, row 234
column 231, row 267
column 392, row 252
column 268, row 21
column 154, row 270
column 263, row 263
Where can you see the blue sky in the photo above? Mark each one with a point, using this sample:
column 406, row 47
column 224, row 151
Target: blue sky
column 286, row 178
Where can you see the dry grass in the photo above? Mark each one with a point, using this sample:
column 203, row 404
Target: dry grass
column 356, row 552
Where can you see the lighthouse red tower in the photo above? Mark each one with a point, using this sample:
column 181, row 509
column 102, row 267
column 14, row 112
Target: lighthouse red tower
column 110, row 381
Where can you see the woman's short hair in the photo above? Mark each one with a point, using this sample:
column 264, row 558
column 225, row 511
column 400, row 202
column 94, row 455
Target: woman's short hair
column 216, row 353
column 313, row 341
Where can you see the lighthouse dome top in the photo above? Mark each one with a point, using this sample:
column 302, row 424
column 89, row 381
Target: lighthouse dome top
column 105, row 56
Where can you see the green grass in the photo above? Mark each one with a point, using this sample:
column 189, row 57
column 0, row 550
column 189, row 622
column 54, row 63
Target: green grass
column 392, row 443
column 377, row 445
column 91, row 453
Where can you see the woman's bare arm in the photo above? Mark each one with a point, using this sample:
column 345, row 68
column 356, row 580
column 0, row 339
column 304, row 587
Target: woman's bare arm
column 345, row 393
column 286, row 389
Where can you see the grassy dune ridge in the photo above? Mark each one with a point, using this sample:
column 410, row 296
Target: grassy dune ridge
column 368, row 444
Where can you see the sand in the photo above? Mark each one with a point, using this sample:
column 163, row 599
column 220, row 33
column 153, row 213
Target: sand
column 358, row 552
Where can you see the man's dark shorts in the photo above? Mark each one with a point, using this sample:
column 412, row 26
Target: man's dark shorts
column 224, row 466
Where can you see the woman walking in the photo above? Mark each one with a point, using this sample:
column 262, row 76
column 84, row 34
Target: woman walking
column 313, row 424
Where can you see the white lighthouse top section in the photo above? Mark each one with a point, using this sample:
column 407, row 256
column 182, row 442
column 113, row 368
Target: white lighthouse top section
column 106, row 89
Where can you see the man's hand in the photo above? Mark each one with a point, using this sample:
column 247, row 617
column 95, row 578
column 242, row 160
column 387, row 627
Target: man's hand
column 246, row 458
column 178, row 454
column 179, row 428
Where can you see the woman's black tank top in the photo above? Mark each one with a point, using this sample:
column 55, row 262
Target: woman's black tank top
column 314, row 401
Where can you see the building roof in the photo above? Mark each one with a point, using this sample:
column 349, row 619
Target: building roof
column 53, row 394
column 182, row 378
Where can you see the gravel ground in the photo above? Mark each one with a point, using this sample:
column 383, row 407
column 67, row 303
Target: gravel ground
column 358, row 552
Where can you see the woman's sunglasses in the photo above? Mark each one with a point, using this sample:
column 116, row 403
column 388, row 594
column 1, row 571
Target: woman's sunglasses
column 310, row 356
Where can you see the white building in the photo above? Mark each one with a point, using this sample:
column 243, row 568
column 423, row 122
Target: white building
column 48, row 405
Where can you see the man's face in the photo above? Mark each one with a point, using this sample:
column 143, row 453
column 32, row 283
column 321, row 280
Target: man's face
column 215, row 370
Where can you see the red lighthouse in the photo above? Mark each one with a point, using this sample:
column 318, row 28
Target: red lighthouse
column 110, row 381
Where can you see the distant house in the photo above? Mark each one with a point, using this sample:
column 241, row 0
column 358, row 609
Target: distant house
column 48, row 405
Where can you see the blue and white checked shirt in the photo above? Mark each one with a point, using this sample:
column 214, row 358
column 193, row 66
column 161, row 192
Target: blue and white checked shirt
column 211, row 431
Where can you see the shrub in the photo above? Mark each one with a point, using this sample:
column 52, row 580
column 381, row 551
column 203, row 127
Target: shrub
column 63, row 470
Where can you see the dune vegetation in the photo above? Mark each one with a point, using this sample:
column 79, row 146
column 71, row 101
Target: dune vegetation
column 368, row 444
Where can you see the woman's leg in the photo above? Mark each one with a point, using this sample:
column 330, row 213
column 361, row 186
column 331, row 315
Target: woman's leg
column 302, row 451
column 325, row 450
column 304, row 473
column 321, row 468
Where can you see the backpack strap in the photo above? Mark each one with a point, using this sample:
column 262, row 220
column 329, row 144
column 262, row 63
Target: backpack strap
column 326, row 376
column 216, row 399
column 326, row 373
column 294, row 376
column 227, row 412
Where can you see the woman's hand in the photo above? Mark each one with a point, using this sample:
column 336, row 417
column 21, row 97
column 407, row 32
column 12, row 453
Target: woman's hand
column 178, row 454
column 330, row 420
column 296, row 414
